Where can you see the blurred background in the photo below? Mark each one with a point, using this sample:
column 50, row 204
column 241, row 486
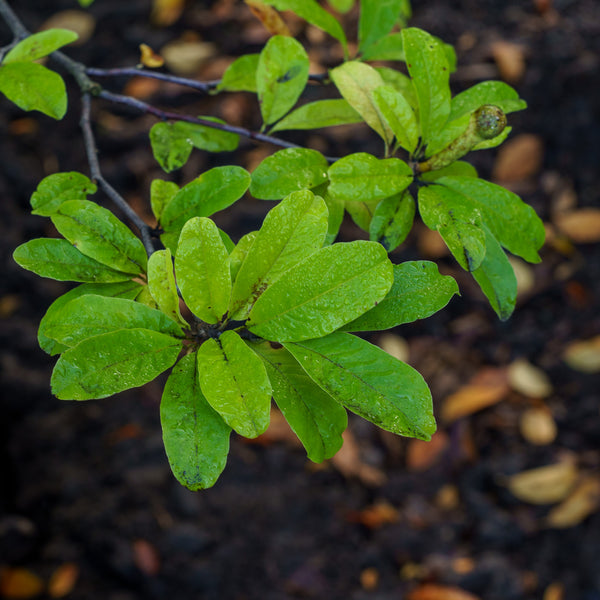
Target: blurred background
column 503, row 504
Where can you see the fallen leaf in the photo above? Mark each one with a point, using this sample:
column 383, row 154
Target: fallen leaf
column 166, row 12
column 186, row 55
column 463, row 565
column 149, row 58
column 524, row 275
column 142, row 87
column 431, row 244
column 146, row 557
column 555, row 591
column 537, row 426
column 431, row 591
column 510, row 60
column 63, row 580
column 581, row 226
column 279, row 430
column 269, row 17
column 369, row 578
column 584, row 355
column 544, row 485
column 582, row 502
column 487, row 388
column 394, row 345
column 519, row 158
column 79, row 21
column 350, row 464
column 19, row 583
column 374, row 516
column 528, row 380
column 422, row 455
column 448, row 497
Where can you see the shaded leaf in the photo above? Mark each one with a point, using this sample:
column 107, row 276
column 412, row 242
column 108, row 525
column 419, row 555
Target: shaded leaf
column 161, row 283
column 392, row 220
column 399, row 115
column 342, row 6
column 369, row 382
column 321, row 113
column 55, row 189
column 161, row 193
column 195, row 436
column 112, row 362
column 376, row 20
column 390, row 47
column 458, row 168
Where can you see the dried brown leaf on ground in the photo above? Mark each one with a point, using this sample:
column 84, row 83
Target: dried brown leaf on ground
column 375, row 516
column 528, row 379
column 488, row 387
column 18, row 582
column 555, row 591
column 269, row 17
column 166, row 12
column 519, row 158
column 349, row 462
column 431, row 591
column 394, row 345
column 149, row 58
column 63, row 580
column 545, row 485
column 146, row 557
column 421, row 455
column 581, row 226
column 279, row 430
column 369, row 578
column 584, row 355
column 537, row 426
column 582, row 502
column 185, row 56
column 510, row 60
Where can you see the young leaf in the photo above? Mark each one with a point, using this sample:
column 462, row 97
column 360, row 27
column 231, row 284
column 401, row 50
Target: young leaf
column 321, row 113
column 202, row 268
column 288, row 171
column 293, row 230
column 161, row 283
column 58, row 259
column 97, row 233
column 369, row 382
column 125, row 289
column 428, row 66
column 356, row 82
column 55, row 189
column 161, row 193
column 209, row 193
column 418, row 292
column 38, row 45
column 316, row 15
column 240, row 75
column 325, row 291
column 377, row 18
column 281, row 76
column 362, row 177
column 234, row 381
column 512, row 222
column 459, row 223
column 392, row 220
column 390, row 47
column 196, row 438
column 314, row 416
column 399, row 115
column 112, row 362
column 496, row 278
column 33, row 87
column 90, row 315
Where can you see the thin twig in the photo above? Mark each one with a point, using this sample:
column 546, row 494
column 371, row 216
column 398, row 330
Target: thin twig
column 92, row 156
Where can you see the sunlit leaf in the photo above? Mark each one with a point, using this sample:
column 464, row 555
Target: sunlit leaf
column 240, row 75
column 321, row 113
column 38, row 45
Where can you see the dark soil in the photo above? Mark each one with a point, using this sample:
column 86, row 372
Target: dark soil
column 89, row 484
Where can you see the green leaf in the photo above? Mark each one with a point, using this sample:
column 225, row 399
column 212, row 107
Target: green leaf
column 161, row 283
column 38, row 45
column 362, row 177
column 238, row 255
column 400, row 82
column 202, row 268
column 209, row 193
column 161, row 193
column 356, row 82
column 314, row 416
column 512, row 222
column 288, row 171
column 428, row 66
column 362, row 213
column 459, row 168
column 336, row 209
column 330, row 288
column 33, row 87
column 392, row 220
column 418, row 292
column 342, row 6
column 399, row 115
column 227, row 241
column 281, row 76
column 390, row 47
column 316, row 15
column 495, row 141
column 291, row 231
column 369, row 382
column 321, row 113
column 112, row 362
column 240, row 75
column 457, row 221
column 377, row 18
column 85, row 3
column 98, row 234
column 55, row 189
column 497, row 93
column 58, row 259
column 235, row 383
column 125, row 289
column 196, row 438
column 90, row 315
column 496, row 278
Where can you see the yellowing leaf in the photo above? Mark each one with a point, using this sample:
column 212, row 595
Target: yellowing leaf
column 528, row 380
column 19, row 583
column 63, row 580
column 544, row 485
column 581, row 226
column 149, row 58
column 537, row 426
column 584, row 500
column 269, row 17
column 166, row 12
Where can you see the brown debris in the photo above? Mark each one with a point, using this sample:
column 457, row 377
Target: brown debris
column 63, row 580
column 581, row 226
column 510, row 60
column 431, row 591
column 349, row 462
column 422, row 455
column 519, row 158
column 582, row 502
